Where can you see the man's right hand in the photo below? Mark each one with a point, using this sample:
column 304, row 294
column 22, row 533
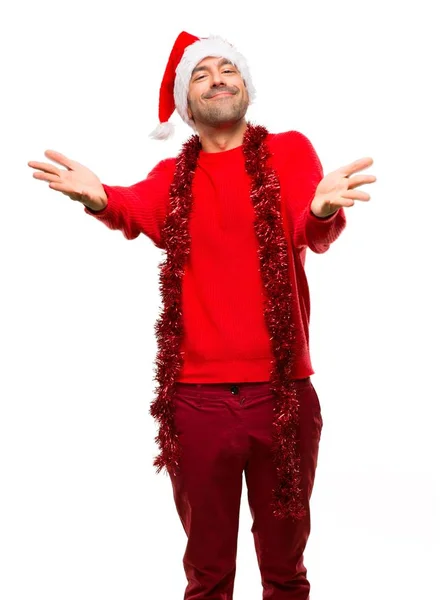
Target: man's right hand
column 76, row 181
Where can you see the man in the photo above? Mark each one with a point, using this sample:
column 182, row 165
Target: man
column 235, row 213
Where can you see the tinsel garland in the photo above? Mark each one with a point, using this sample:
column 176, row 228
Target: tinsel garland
column 274, row 269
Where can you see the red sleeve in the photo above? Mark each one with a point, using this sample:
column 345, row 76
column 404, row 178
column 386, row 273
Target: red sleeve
column 302, row 174
column 139, row 208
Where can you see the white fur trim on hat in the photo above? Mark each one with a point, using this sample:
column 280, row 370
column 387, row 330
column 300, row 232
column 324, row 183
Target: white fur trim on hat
column 163, row 131
column 212, row 46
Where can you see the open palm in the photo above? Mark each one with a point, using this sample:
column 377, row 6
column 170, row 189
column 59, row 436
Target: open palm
column 337, row 189
column 75, row 181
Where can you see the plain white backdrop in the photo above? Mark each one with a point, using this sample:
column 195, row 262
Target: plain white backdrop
column 82, row 512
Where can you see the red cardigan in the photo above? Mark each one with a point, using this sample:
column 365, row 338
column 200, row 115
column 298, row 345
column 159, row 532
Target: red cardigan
column 225, row 336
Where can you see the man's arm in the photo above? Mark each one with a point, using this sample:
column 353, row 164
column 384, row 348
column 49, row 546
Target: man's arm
column 139, row 208
column 321, row 232
column 304, row 172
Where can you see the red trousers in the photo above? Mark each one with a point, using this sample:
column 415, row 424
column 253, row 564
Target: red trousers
column 225, row 431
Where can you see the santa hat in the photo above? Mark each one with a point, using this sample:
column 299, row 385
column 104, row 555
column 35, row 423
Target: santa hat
column 187, row 52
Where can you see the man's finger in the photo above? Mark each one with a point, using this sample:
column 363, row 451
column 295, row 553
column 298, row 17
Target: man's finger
column 357, row 165
column 354, row 182
column 343, row 202
column 46, row 176
column 47, row 167
column 356, row 195
column 60, row 187
column 67, row 190
column 59, row 158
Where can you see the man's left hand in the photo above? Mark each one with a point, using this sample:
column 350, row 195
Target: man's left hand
column 336, row 190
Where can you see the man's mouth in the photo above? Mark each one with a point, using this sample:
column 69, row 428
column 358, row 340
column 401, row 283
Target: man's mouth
column 222, row 94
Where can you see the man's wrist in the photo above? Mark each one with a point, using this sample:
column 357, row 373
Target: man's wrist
column 324, row 217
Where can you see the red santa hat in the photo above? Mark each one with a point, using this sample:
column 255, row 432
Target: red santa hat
column 187, row 52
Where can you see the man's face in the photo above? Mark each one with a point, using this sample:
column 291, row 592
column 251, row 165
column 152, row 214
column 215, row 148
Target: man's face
column 217, row 93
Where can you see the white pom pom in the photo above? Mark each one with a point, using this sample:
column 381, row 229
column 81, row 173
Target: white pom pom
column 163, row 131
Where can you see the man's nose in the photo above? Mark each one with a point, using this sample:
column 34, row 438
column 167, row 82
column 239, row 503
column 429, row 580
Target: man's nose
column 217, row 78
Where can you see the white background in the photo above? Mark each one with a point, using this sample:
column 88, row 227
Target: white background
column 83, row 513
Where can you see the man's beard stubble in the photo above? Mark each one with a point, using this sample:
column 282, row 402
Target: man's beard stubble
column 221, row 111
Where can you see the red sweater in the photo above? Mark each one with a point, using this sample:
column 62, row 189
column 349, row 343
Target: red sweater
column 225, row 335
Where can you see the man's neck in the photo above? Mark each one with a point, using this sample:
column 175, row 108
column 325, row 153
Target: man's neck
column 220, row 139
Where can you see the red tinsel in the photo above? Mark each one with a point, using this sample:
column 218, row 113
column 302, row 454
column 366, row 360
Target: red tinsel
column 274, row 268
